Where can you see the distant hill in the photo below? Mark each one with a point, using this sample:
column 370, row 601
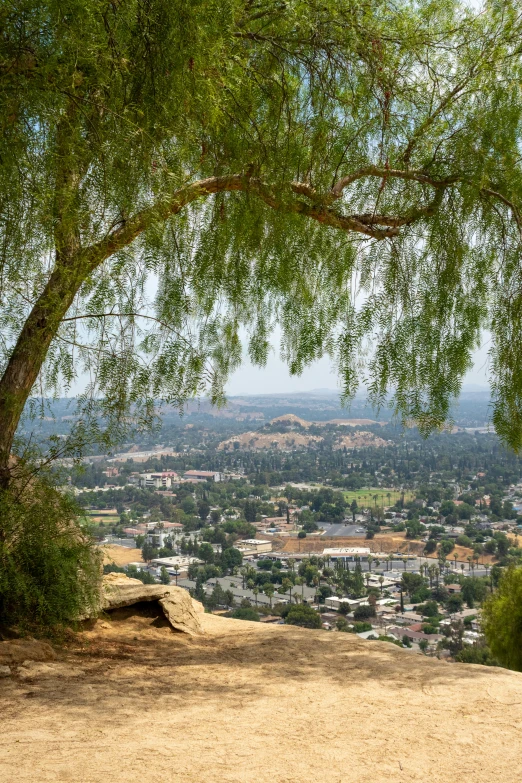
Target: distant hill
column 289, row 432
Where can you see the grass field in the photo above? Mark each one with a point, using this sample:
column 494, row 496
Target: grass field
column 385, row 497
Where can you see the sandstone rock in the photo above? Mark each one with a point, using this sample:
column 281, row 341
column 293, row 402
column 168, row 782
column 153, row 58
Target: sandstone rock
column 5, row 671
column 180, row 610
column 15, row 651
column 181, row 613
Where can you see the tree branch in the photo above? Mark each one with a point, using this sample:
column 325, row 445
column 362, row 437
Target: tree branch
column 382, row 173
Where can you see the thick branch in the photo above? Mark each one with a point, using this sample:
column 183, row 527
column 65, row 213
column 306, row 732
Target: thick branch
column 75, row 265
column 383, row 173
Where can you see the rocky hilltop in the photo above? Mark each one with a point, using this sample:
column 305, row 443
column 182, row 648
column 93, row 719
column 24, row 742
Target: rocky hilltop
column 290, row 432
column 131, row 699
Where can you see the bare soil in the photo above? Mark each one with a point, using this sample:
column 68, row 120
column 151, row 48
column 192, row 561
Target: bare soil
column 121, row 555
column 131, row 700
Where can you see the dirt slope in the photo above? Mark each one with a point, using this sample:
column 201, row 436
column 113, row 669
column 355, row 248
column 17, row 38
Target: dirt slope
column 121, row 555
column 247, row 703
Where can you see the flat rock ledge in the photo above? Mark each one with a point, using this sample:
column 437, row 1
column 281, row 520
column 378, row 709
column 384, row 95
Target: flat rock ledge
column 178, row 607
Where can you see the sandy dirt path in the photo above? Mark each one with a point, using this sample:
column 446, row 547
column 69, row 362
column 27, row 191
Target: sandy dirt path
column 133, row 701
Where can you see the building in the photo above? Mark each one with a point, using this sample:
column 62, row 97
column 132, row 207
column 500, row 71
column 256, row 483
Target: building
column 348, row 554
column 203, row 475
column 177, row 563
column 453, row 588
column 254, row 546
column 415, row 636
column 351, row 603
column 158, row 480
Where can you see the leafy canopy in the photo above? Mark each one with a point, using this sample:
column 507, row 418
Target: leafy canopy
column 196, row 170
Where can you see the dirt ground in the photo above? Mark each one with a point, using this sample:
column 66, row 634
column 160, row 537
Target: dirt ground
column 381, row 543
column 131, row 700
column 121, row 555
column 396, row 542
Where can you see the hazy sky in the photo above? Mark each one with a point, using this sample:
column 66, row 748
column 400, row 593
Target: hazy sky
column 275, row 377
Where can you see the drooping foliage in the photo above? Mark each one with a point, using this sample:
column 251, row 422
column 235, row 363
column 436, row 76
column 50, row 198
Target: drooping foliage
column 176, row 174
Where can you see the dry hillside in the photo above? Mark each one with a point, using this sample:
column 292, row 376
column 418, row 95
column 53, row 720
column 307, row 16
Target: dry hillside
column 121, row 555
column 246, row 703
column 360, row 439
column 286, row 441
column 389, row 543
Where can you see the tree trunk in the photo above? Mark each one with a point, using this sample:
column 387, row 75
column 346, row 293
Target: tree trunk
column 29, row 354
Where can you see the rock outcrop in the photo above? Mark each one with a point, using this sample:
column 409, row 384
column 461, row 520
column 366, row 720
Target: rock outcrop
column 178, row 607
column 16, row 651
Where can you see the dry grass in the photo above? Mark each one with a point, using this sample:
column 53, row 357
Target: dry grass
column 121, row 555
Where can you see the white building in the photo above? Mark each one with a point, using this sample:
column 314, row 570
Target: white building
column 254, row 546
column 203, row 475
column 177, row 563
column 335, row 603
column 158, row 480
column 347, row 553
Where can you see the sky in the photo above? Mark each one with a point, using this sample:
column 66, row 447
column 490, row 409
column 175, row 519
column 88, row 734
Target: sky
column 275, row 378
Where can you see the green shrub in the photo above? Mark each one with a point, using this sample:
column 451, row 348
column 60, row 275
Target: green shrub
column 245, row 613
column 502, row 620
column 364, row 612
column 476, row 653
column 49, row 567
column 303, row 615
column 361, row 627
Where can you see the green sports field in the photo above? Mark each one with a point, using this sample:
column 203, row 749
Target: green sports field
column 385, row 497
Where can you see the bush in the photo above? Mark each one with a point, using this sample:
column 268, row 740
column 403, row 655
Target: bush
column 49, row 567
column 304, row 616
column 502, row 620
column 446, row 546
column 363, row 612
column 476, row 653
column 361, row 627
column 429, row 609
column 245, row 613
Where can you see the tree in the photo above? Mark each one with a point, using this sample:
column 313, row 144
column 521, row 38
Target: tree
column 301, row 534
column 203, row 510
column 502, row 620
column 245, row 613
column 411, row 583
column 230, row 558
column 269, row 591
column 164, row 576
column 160, row 142
column 148, row 552
column 206, row 552
column 454, row 603
column 363, row 612
column 303, row 615
column 446, row 546
column 423, row 645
